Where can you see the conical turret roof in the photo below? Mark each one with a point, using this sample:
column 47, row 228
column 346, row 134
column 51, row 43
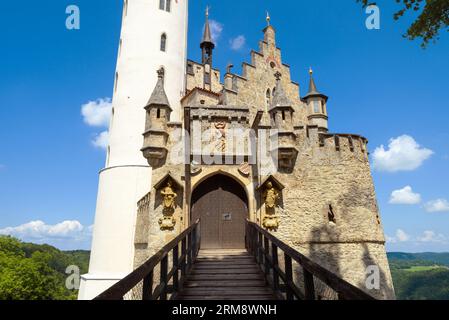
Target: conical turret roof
column 313, row 91
column 159, row 97
column 280, row 99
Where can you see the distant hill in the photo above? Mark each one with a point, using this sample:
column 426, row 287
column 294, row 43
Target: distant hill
column 440, row 258
column 36, row 272
column 420, row 276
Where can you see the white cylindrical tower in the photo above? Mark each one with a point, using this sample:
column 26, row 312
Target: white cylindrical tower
column 154, row 35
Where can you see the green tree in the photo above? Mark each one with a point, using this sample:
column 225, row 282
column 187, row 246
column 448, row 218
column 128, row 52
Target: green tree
column 433, row 17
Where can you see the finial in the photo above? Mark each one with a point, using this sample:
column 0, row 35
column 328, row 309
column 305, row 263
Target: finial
column 207, row 11
column 278, row 76
column 229, row 67
column 310, row 71
column 268, row 18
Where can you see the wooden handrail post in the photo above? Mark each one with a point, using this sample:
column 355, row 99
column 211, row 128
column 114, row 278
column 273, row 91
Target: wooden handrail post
column 189, row 251
column 288, row 276
column 164, row 280
column 266, row 257
column 275, row 260
column 147, row 288
column 309, row 286
column 259, row 248
column 183, row 259
column 176, row 269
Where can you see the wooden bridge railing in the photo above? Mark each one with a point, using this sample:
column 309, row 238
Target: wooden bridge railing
column 184, row 250
column 264, row 246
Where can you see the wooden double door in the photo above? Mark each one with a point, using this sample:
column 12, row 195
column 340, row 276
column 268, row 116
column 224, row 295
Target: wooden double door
column 222, row 205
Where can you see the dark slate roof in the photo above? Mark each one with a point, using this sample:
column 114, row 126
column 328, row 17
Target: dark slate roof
column 207, row 36
column 159, row 97
column 313, row 91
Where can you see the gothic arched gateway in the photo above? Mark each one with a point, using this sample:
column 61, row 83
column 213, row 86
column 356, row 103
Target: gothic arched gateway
column 222, row 204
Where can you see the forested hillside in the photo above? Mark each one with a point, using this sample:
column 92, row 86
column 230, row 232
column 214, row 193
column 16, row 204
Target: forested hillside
column 36, row 272
column 420, row 276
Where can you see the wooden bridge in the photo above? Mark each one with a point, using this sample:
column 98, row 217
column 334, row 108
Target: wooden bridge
column 267, row 269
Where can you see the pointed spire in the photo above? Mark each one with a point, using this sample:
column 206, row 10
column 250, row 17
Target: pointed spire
column 280, row 99
column 207, row 44
column 313, row 91
column 207, row 36
column 159, row 97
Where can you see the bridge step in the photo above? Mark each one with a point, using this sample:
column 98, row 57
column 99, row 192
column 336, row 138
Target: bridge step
column 225, row 275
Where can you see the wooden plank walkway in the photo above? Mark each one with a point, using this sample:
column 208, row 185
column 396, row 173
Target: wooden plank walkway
column 225, row 274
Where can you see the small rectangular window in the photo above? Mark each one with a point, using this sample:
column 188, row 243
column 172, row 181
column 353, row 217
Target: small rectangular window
column 162, row 4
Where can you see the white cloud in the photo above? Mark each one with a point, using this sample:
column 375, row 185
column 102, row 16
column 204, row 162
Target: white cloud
column 390, row 239
column 401, row 236
column 70, row 234
column 431, row 236
column 439, row 205
column 238, row 42
column 101, row 140
column 403, row 154
column 405, row 196
column 97, row 113
column 216, row 28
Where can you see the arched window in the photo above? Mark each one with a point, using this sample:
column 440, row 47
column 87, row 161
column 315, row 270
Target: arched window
column 163, row 42
column 274, row 91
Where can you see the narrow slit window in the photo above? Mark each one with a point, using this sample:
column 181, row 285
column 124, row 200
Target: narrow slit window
column 163, row 42
column 125, row 8
column 162, row 4
column 331, row 214
column 158, row 114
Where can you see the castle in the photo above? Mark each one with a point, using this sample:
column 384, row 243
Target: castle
column 249, row 148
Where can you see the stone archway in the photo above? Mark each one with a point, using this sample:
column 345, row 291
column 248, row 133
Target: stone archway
column 222, row 204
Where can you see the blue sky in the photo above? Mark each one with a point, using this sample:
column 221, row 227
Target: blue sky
column 380, row 85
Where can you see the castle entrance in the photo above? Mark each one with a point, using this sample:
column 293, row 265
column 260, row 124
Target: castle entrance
column 222, row 205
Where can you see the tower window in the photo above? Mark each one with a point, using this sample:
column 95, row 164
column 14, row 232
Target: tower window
column 116, row 81
column 283, row 115
column 125, row 8
column 165, row 5
column 163, row 42
column 316, row 107
column 158, row 114
column 168, row 5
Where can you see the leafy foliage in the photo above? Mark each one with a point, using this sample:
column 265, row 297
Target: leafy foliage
column 433, row 17
column 36, row 272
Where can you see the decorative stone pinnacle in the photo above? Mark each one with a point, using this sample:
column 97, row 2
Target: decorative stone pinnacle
column 229, row 67
column 161, row 73
column 278, row 76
